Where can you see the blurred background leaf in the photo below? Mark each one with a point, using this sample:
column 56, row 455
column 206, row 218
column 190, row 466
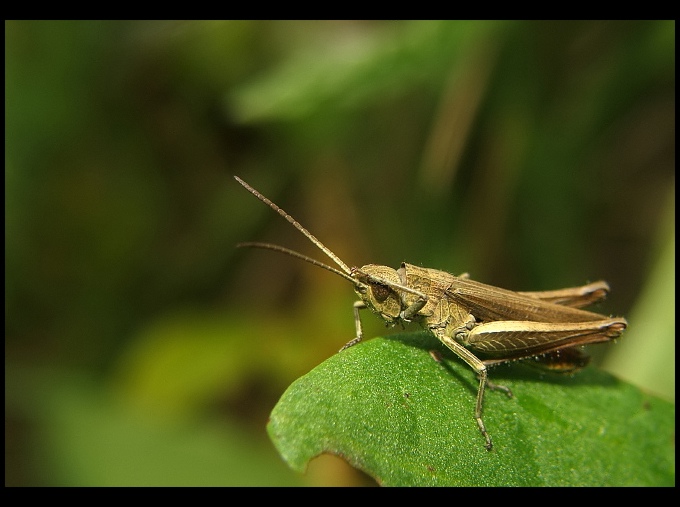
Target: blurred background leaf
column 534, row 155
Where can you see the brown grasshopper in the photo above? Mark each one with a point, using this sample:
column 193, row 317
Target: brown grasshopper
column 472, row 318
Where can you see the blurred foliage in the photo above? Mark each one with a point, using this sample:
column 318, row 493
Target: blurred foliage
column 534, row 155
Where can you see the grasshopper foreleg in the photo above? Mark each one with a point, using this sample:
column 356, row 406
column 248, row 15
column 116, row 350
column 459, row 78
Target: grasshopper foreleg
column 358, row 305
column 412, row 310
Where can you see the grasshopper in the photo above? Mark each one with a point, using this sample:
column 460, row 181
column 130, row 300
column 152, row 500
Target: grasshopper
column 482, row 324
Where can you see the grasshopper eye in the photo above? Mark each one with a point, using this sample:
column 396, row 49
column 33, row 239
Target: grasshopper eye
column 380, row 292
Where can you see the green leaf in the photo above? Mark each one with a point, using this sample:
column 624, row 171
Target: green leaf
column 390, row 410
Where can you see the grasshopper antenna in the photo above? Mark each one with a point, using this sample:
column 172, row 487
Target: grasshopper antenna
column 293, row 253
column 304, row 231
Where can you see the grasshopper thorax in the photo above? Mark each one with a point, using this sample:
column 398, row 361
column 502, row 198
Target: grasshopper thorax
column 376, row 287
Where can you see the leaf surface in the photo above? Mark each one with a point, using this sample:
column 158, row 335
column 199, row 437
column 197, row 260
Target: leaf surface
column 392, row 411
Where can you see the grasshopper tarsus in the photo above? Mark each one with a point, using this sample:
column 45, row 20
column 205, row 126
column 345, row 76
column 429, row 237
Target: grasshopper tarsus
column 471, row 318
column 489, row 444
column 498, row 387
column 436, row 355
column 350, row 343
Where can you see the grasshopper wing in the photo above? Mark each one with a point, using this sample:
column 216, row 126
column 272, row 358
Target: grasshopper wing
column 488, row 303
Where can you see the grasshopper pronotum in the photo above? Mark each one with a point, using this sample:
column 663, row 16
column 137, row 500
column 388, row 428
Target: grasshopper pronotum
column 472, row 318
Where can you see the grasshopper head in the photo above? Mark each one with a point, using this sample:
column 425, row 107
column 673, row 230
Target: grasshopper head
column 375, row 288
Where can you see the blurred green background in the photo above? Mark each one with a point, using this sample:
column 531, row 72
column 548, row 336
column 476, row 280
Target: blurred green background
column 142, row 348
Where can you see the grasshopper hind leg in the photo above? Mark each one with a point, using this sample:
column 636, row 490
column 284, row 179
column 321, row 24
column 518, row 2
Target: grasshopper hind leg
column 481, row 369
column 478, row 408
